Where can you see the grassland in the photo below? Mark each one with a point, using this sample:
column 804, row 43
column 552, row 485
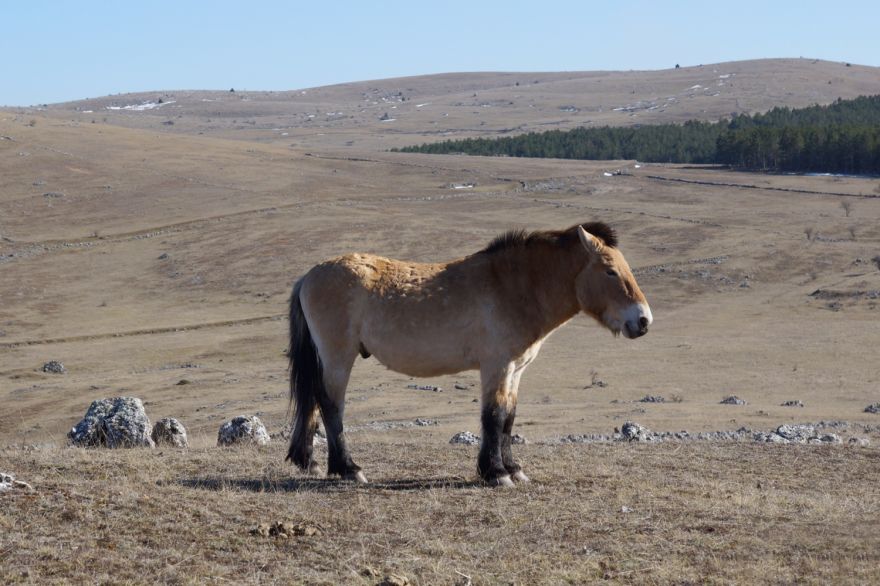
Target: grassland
column 163, row 256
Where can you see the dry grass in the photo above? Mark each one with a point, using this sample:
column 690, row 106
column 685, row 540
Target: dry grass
column 170, row 256
column 695, row 514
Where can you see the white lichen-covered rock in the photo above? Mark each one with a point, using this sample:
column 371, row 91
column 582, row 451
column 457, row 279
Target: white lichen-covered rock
column 634, row 432
column 796, row 433
column 732, row 400
column 465, row 438
column 8, row 482
column 243, row 430
column 169, row 432
column 54, row 367
column 873, row 408
column 118, row 422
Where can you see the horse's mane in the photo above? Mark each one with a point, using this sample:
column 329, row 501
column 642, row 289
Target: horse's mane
column 521, row 238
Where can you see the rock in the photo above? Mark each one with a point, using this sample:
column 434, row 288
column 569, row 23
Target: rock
column 8, row 482
column 418, row 421
column 54, row 367
column 518, row 439
column 634, row 432
column 460, row 387
column 795, row 403
column 395, row 580
column 465, row 438
column 732, row 400
column 873, row 408
column 796, row 433
column 772, row 438
column 53, row 194
column 859, row 441
column 118, row 422
column 432, row 388
column 830, row 438
column 652, row 399
column 169, row 432
column 243, row 430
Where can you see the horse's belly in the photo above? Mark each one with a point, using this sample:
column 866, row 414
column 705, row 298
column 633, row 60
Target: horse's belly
column 422, row 355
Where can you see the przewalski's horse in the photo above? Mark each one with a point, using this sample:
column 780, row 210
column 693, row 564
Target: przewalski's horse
column 490, row 311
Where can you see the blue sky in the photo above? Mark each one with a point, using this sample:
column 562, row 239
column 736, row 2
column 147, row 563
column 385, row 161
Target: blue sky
column 58, row 51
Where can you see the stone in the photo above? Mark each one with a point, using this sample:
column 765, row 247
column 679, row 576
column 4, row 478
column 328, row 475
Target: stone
column 859, row 441
column 169, row 432
column 465, row 438
column 732, row 400
column 794, row 403
column 634, row 432
column 8, row 482
column 796, row 433
column 54, row 367
column 518, row 439
column 772, row 438
column 118, row 422
column 243, row 430
column 830, row 438
column 652, row 399
column 873, row 408
column 395, row 580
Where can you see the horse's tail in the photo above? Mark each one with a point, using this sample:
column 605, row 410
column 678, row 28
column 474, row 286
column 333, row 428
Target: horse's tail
column 306, row 382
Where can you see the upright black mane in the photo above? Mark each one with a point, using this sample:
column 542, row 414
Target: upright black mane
column 517, row 238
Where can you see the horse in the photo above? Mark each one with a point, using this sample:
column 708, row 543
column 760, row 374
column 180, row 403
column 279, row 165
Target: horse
column 490, row 311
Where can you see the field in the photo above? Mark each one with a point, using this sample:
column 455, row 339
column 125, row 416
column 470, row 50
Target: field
column 156, row 261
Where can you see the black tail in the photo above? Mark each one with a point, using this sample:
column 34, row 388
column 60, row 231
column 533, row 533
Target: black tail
column 306, row 384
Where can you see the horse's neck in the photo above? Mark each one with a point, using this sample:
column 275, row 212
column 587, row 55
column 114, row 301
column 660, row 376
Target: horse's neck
column 543, row 281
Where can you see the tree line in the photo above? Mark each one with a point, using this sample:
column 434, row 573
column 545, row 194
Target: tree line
column 842, row 137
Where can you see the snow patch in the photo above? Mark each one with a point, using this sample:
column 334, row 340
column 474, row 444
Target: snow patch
column 141, row 107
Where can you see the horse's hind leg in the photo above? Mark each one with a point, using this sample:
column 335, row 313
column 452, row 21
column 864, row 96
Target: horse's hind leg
column 301, row 446
column 332, row 404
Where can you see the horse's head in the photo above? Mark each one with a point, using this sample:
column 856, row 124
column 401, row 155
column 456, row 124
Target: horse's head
column 606, row 288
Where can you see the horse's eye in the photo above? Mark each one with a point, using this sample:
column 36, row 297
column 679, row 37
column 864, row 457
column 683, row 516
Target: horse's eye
column 611, row 273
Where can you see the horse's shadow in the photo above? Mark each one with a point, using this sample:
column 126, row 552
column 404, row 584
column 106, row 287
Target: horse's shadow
column 306, row 484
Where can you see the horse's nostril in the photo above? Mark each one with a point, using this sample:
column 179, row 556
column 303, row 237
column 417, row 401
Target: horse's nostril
column 643, row 322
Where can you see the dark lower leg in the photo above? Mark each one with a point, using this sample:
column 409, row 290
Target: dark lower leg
column 302, row 438
column 338, row 458
column 506, row 453
column 490, row 462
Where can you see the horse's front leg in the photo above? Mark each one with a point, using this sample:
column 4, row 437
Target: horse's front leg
column 498, row 408
column 512, row 466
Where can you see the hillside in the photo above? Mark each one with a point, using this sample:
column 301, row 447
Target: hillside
column 381, row 114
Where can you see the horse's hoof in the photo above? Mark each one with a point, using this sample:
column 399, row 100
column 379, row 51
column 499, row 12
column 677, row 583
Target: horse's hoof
column 520, row 476
column 501, row 481
column 358, row 477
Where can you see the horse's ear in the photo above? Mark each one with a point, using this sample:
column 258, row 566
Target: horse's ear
column 590, row 242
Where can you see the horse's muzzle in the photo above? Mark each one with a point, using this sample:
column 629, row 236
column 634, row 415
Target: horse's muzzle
column 636, row 328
